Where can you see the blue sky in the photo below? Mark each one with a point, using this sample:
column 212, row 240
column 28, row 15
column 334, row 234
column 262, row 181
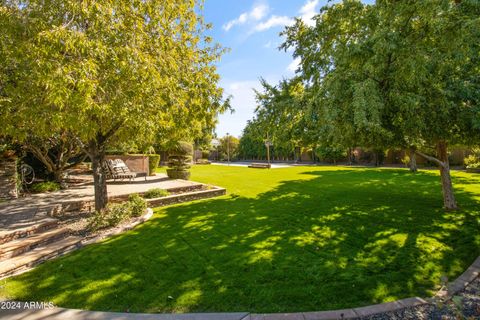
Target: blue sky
column 250, row 28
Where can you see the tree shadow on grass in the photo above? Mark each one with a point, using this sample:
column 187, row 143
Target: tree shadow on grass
column 332, row 239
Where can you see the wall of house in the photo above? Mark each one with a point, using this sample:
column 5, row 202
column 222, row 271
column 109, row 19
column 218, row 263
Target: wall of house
column 8, row 178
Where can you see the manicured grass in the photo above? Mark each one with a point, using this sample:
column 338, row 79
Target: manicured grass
column 293, row 239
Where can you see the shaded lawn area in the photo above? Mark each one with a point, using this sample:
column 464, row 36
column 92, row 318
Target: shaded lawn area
column 282, row 240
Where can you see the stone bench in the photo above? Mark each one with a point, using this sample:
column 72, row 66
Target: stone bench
column 260, row 165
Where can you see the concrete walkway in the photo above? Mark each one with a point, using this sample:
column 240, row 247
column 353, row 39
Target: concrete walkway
column 26, row 211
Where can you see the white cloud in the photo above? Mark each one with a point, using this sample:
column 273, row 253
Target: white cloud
column 293, row 66
column 268, row 45
column 308, row 11
column 274, row 21
column 258, row 12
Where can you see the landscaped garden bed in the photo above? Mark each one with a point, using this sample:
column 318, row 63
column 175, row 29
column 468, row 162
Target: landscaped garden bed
column 283, row 240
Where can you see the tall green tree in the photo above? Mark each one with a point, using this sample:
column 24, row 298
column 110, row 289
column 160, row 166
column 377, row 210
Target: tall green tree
column 396, row 73
column 106, row 71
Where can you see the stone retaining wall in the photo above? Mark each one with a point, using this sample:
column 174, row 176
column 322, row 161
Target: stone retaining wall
column 8, row 178
column 178, row 198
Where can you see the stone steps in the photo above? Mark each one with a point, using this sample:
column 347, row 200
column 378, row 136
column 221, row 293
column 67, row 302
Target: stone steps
column 16, row 247
column 37, row 255
column 39, row 226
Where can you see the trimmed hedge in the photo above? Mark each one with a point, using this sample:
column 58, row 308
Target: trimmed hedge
column 153, row 161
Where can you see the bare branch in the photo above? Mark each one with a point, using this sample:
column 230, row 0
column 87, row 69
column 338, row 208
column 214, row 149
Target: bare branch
column 430, row 158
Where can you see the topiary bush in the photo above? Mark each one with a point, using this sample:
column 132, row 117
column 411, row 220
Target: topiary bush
column 47, row 186
column 153, row 161
column 155, row 193
column 179, row 161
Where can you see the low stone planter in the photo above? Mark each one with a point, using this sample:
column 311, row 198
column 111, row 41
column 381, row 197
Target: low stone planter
column 186, row 193
column 473, row 170
column 185, row 197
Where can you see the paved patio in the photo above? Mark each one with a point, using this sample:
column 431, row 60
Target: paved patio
column 26, row 211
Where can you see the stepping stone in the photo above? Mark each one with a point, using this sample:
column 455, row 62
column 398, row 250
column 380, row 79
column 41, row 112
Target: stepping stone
column 39, row 226
column 14, row 248
column 38, row 254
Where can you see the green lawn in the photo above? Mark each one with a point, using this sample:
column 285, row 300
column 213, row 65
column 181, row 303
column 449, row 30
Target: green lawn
column 293, row 239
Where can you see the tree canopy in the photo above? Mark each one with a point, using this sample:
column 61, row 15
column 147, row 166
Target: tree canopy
column 107, row 71
column 395, row 73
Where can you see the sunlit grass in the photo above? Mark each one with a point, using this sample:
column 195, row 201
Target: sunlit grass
column 292, row 239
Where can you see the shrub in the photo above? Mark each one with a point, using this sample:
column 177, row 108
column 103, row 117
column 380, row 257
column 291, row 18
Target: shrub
column 117, row 213
column 406, row 160
column 179, row 161
column 137, row 204
column 47, row 186
column 205, row 154
column 472, row 161
column 155, row 193
column 111, row 216
column 153, row 161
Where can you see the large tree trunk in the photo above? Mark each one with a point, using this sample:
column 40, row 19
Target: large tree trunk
column 447, row 188
column 97, row 155
column 412, row 164
column 449, row 202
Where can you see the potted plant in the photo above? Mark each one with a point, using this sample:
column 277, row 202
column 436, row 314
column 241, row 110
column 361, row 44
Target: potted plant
column 179, row 161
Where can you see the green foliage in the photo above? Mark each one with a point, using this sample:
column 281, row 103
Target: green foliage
column 406, row 160
column 180, row 156
column 47, row 186
column 111, row 216
column 472, row 162
column 137, row 204
column 153, row 161
column 331, row 153
column 116, row 213
column 181, row 148
column 395, row 73
column 179, row 160
column 228, row 147
column 283, row 116
column 155, row 193
column 107, row 72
